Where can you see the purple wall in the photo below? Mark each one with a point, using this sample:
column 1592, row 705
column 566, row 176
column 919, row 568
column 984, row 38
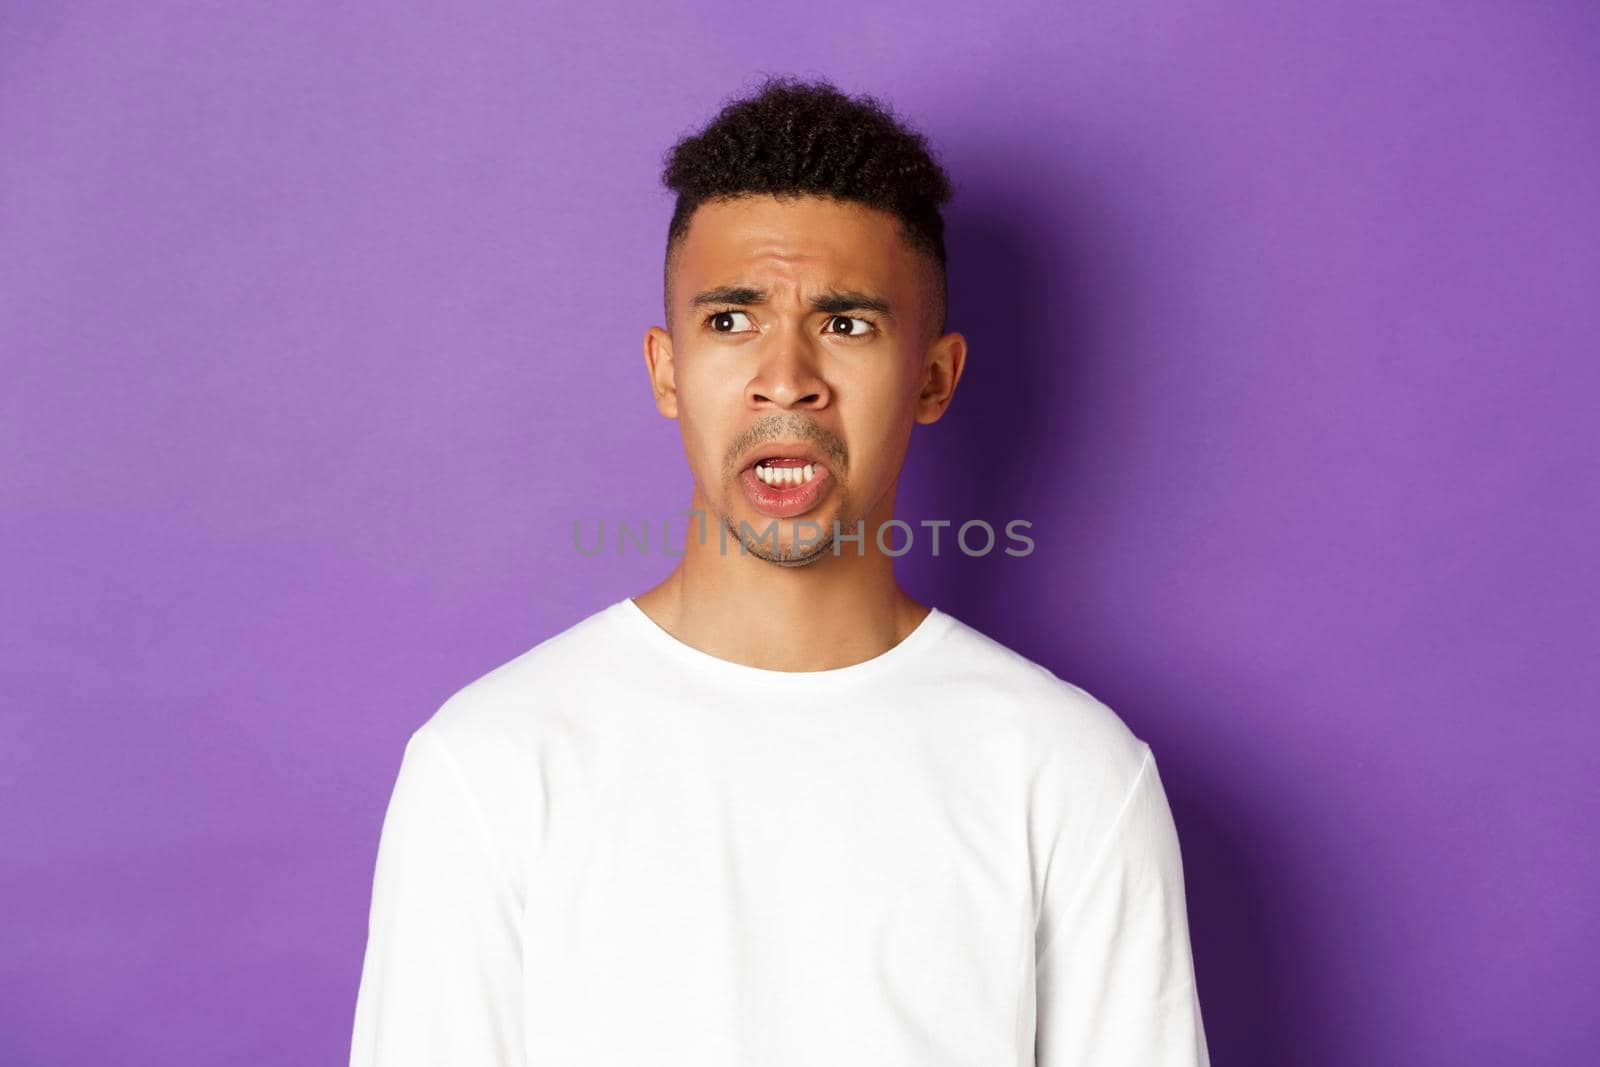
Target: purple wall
column 320, row 328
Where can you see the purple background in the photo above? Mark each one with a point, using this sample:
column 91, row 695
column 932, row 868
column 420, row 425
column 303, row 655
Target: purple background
column 321, row 326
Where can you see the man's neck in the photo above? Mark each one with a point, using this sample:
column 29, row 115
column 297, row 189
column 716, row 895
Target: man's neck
column 840, row 610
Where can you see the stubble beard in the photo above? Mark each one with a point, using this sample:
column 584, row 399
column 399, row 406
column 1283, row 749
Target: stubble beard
column 789, row 555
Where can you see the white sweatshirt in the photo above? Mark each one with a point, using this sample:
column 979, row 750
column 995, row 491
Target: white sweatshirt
column 618, row 850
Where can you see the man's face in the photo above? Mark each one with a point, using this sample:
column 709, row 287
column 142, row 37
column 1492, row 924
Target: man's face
column 801, row 337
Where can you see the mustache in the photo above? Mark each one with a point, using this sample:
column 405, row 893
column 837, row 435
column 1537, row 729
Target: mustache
column 789, row 427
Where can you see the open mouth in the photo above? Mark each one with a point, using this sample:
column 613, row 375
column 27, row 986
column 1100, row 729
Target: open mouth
column 785, row 486
column 785, row 472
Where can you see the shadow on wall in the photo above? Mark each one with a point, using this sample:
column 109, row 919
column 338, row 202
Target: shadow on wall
column 1047, row 293
column 1024, row 292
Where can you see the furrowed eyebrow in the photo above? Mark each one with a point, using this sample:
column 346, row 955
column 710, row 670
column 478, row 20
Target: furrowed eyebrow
column 834, row 302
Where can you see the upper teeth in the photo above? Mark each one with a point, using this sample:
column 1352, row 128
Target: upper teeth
column 786, row 475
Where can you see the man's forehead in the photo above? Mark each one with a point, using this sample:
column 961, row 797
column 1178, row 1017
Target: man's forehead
column 732, row 241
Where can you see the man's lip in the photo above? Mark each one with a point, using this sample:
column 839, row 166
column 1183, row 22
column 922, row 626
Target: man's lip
column 780, row 462
column 788, row 501
column 785, row 451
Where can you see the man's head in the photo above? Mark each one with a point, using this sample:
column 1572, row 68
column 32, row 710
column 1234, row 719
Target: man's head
column 795, row 138
column 805, row 302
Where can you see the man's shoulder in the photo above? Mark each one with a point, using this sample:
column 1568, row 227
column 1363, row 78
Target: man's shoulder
column 500, row 714
column 1059, row 719
column 488, row 729
column 500, row 705
column 1080, row 758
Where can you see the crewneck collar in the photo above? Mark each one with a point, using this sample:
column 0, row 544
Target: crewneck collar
column 927, row 632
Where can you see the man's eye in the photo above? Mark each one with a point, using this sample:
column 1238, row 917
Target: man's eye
column 842, row 325
column 722, row 321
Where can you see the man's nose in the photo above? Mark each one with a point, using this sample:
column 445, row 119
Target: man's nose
column 789, row 377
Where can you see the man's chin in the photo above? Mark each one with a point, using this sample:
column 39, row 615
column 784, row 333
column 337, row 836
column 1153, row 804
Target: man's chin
column 795, row 562
column 796, row 542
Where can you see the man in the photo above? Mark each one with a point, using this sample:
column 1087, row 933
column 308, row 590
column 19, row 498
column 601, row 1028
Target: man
column 774, row 811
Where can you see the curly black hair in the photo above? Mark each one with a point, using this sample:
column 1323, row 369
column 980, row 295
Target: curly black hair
column 793, row 138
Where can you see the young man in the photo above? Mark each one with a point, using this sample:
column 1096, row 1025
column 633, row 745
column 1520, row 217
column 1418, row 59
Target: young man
column 774, row 811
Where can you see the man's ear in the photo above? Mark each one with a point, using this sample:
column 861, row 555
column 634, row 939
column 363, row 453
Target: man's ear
column 941, row 371
column 658, row 360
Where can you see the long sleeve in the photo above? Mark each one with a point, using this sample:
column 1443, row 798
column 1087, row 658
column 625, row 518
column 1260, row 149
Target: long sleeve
column 1115, row 982
column 441, row 979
